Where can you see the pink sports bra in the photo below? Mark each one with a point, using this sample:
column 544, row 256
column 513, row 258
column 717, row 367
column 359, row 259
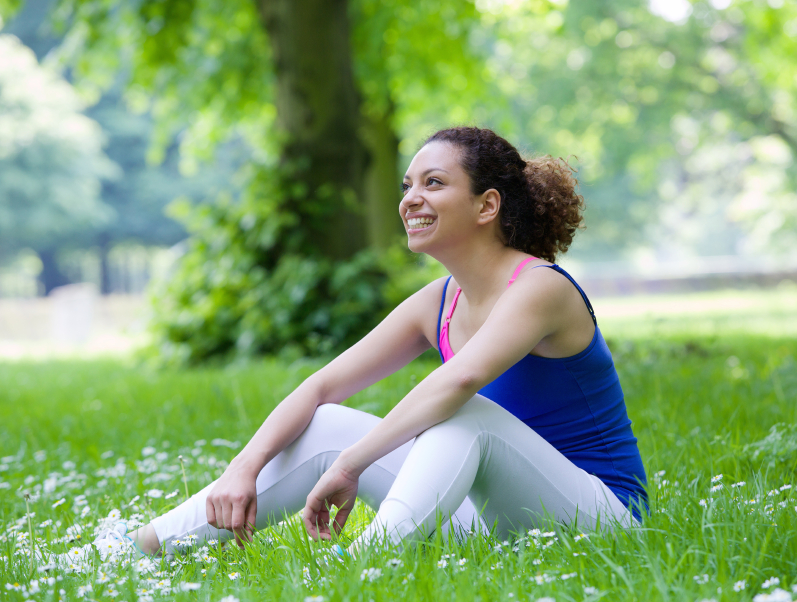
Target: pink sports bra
column 445, row 346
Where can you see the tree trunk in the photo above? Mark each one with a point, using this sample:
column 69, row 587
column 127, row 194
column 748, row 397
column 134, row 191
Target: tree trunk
column 318, row 114
column 51, row 276
column 381, row 182
column 105, row 267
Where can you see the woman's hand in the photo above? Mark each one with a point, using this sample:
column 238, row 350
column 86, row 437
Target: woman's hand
column 232, row 503
column 336, row 487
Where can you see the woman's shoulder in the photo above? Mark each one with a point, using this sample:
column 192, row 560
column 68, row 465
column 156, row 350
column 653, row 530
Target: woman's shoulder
column 433, row 292
column 545, row 280
column 421, row 309
column 428, row 296
column 556, row 297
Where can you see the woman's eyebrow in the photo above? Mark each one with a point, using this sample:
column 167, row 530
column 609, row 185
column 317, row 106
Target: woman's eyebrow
column 406, row 176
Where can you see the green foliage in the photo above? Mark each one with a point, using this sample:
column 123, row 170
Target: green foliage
column 51, row 158
column 692, row 414
column 139, row 196
column 417, row 59
column 145, row 182
column 250, row 283
column 8, row 8
column 684, row 131
column 206, row 64
column 253, row 279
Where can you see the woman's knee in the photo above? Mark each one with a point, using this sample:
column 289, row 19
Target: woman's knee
column 330, row 412
column 470, row 416
column 463, row 426
column 333, row 422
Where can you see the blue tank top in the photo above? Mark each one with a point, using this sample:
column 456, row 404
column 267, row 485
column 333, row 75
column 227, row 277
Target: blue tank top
column 577, row 405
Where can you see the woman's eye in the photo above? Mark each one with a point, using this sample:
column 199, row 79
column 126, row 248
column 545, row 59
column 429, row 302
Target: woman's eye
column 405, row 187
column 433, row 181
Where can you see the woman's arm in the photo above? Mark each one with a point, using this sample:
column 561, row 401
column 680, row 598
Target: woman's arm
column 397, row 340
column 529, row 311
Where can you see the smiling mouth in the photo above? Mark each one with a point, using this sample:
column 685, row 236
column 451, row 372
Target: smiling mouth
column 417, row 224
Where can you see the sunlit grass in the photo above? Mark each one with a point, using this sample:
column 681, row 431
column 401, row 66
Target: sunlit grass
column 112, row 431
column 767, row 312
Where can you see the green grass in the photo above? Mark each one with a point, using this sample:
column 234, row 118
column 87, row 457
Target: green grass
column 767, row 312
column 697, row 403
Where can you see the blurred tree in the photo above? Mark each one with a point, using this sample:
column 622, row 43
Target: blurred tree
column 51, row 161
column 665, row 104
column 323, row 187
column 143, row 186
column 614, row 83
column 329, row 89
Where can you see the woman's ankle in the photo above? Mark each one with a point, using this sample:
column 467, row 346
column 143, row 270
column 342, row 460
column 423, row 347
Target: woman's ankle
column 146, row 539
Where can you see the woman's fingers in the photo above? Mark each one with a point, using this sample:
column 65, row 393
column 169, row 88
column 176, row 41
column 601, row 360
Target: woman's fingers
column 316, row 519
column 251, row 517
column 210, row 510
column 310, row 518
column 233, row 513
column 243, row 519
column 237, row 521
column 226, row 515
column 232, row 505
column 334, row 488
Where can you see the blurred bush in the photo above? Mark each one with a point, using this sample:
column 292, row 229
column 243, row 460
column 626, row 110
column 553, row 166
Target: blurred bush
column 246, row 286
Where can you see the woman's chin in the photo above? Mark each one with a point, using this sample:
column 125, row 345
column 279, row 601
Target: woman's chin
column 415, row 245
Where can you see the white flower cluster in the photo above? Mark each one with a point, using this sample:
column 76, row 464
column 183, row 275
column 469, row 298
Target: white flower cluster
column 370, row 574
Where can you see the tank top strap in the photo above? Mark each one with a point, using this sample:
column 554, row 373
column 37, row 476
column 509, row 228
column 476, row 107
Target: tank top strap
column 556, row 268
column 440, row 316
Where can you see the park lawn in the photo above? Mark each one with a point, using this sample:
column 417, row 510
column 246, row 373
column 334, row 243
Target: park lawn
column 101, row 434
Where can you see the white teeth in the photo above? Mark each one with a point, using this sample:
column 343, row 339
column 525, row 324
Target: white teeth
column 420, row 221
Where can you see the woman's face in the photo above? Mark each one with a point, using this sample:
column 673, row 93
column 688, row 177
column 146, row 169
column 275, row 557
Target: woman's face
column 438, row 207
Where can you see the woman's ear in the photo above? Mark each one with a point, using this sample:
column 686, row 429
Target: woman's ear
column 490, row 205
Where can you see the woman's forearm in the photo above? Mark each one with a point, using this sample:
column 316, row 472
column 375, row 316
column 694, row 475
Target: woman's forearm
column 285, row 423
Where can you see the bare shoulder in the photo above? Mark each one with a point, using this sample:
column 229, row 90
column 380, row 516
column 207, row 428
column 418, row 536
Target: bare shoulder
column 422, row 308
column 550, row 290
column 543, row 275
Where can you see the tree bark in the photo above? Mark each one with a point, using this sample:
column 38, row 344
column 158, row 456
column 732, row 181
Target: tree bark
column 318, row 114
column 381, row 181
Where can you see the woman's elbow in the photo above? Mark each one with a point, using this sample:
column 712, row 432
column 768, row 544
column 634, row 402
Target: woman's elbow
column 318, row 388
column 468, row 381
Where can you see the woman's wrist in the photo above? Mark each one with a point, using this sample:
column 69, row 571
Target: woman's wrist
column 349, row 463
column 246, row 465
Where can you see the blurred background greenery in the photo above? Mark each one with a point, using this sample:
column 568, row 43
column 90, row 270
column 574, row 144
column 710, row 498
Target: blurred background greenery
column 249, row 153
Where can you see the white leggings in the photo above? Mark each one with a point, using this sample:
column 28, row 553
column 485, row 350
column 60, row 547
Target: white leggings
column 481, row 467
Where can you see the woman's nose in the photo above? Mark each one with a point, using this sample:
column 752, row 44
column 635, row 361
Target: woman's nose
column 410, row 199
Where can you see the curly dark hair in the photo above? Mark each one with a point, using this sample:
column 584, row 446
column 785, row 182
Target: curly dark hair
column 540, row 208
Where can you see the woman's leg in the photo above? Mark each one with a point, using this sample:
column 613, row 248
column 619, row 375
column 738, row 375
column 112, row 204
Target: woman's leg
column 485, row 453
column 283, row 484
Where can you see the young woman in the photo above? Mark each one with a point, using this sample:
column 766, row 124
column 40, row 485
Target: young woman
column 525, row 418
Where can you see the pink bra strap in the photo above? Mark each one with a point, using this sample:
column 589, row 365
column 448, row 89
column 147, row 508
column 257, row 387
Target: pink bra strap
column 445, row 347
column 517, row 270
column 453, row 305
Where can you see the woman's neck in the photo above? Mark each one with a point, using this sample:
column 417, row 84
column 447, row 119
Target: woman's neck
column 482, row 269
